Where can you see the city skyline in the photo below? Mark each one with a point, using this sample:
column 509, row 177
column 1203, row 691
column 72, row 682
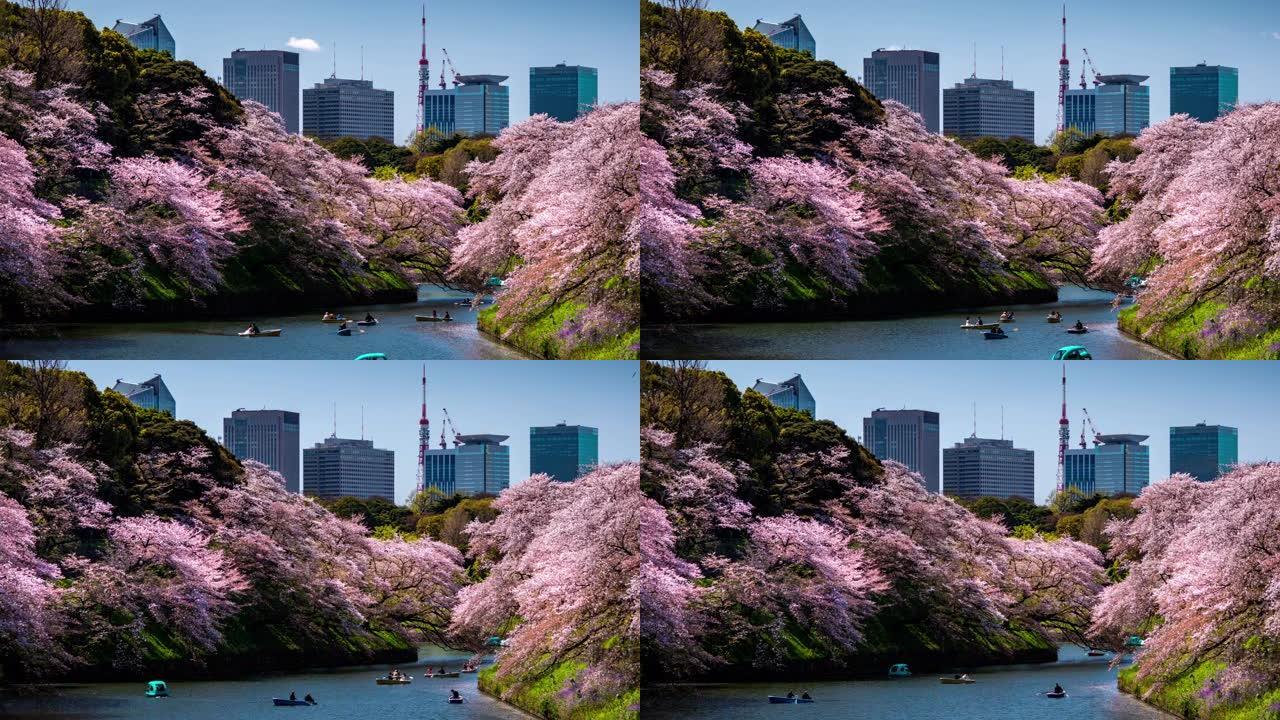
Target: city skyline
column 1144, row 37
column 602, row 394
column 847, row 391
column 528, row 36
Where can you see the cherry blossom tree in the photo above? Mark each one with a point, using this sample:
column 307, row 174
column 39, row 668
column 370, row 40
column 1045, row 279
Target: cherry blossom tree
column 58, row 130
column 1052, row 224
column 412, row 585
column 1201, row 209
column 697, row 489
column 27, row 617
column 28, row 262
column 699, row 131
column 664, row 589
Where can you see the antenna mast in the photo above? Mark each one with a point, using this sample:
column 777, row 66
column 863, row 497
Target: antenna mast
column 1064, row 433
column 1064, row 76
column 424, row 79
column 424, row 436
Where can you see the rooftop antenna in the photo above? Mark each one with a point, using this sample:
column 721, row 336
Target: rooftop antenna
column 362, row 62
column 335, row 420
column 1001, row 62
column 975, row 420
column 975, row 60
column 361, row 421
column 1002, row 422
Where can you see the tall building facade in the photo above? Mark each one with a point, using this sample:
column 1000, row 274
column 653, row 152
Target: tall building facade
column 440, row 470
column 348, row 108
column 565, row 92
column 475, row 465
column 152, row 394
column 792, row 34
column 339, row 467
column 1080, row 110
column 979, row 107
column 984, row 467
column 565, row 452
column 1123, row 104
column 268, row 436
column 150, row 34
column 1203, row 451
column 1118, row 465
column 1205, row 92
column 909, row 437
column 477, row 105
column 792, row 393
column 909, row 76
column 269, row 77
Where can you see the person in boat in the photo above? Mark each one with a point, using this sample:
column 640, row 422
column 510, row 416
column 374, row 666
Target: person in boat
column 368, row 317
column 1057, row 689
column 453, row 694
column 253, row 329
column 343, row 326
column 979, row 319
column 309, row 699
column 967, row 320
column 791, row 694
column 805, row 695
column 446, row 315
column 293, row 696
column 1079, row 325
column 997, row 330
column 328, row 316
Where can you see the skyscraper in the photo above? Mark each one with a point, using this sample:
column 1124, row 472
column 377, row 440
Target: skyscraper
column 979, row 107
column 152, row 394
column 266, row 76
column 348, row 108
column 339, row 467
column 1205, row 92
column 1122, row 105
column 792, row 393
column 792, row 34
column 1203, row 451
column 268, row 436
column 983, row 467
column 477, row 105
column 908, row 76
column 148, row 35
column 907, row 436
column 564, row 92
column 1118, row 465
column 440, row 470
column 1081, row 110
column 565, row 452
column 483, row 465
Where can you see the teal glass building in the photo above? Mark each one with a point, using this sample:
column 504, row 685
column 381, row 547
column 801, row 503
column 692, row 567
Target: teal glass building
column 152, row 394
column 565, row 452
column 792, row 393
column 1118, row 465
column 1203, row 451
column 1205, row 92
column 150, row 34
column 1081, row 110
column 564, row 92
column 482, row 105
column 792, row 34
column 483, row 465
column 1123, row 105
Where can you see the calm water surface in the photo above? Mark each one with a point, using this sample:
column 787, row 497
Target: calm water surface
column 397, row 335
column 345, row 694
column 928, row 337
column 1005, row 693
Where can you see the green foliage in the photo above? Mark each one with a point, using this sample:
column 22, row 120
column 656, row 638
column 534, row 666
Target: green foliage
column 375, row 153
column 1014, row 512
column 449, row 525
column 1014, row 152
column 373, row 512
column 544, row 696
column 449, row 164
column 542, row 338
column 1089, row 525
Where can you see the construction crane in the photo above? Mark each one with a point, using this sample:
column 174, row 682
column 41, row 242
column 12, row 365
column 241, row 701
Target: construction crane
column 448, row 421
column 447, row 61
column 1092, row 427
column 1092, row 67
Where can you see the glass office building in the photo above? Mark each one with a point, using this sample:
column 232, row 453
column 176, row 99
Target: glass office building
column 339, row 467
column 1118, row 465
column 1203, row 451
column 908, row 76
column 906, row 436
column 152, row 394
column 148, row 35
column 482, row 466
column 984, row 467
column 1205, row 92
column 437, row 111
column 440, row 470
column 1122, row 105
column 792, row 34
column 979, row 107
column 482, row 105
column 269, row 77
column 268, row 436
column 348, row 108
column 565, row 92
column 1080, row 111
column 793, row 394
column 565, row 452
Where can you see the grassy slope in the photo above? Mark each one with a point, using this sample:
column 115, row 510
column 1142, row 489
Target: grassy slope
column 541, row 339
column 542, row 697
column 1181, row 697
column 1182, row 338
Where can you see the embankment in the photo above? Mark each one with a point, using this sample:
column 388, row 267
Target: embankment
column 1183, row 697
column 546, row 697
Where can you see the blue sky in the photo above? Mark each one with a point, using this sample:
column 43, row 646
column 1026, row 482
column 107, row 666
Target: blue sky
column 503, row 37
column 482, row 397
column 1121, row 396
column 1143, row 37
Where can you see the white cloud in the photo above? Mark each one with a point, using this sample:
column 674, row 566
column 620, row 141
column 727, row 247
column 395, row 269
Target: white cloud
column 307, row 44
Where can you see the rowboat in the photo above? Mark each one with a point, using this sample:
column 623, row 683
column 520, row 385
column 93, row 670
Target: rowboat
column 1096, row 653
column 394, row 681
column 1056, row 695
column 285, row 702
column 344, row 331
column 782, row 700
column 1072, row 352
column 983, row 326
column 1078, row 331
column 367, row 323
column 995, row 335
column 432, row 318
column 334, row 319
column 453, row 674
column 261, row 333
column 454, row 700
column 1053, row 318
column 372, row 356
column 468, row 670
column 157, row 688
column 899, row 670
column 962, row 680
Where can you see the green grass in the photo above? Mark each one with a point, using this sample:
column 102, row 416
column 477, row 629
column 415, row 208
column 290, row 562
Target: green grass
column 541, row 696
column 1182, row 337
column 541, row 338
column 1181, row 698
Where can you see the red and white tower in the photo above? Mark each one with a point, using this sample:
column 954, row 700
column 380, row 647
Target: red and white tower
column 1064, row 75
column 424, row 436
column 1064, row 433
column 424, row 75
